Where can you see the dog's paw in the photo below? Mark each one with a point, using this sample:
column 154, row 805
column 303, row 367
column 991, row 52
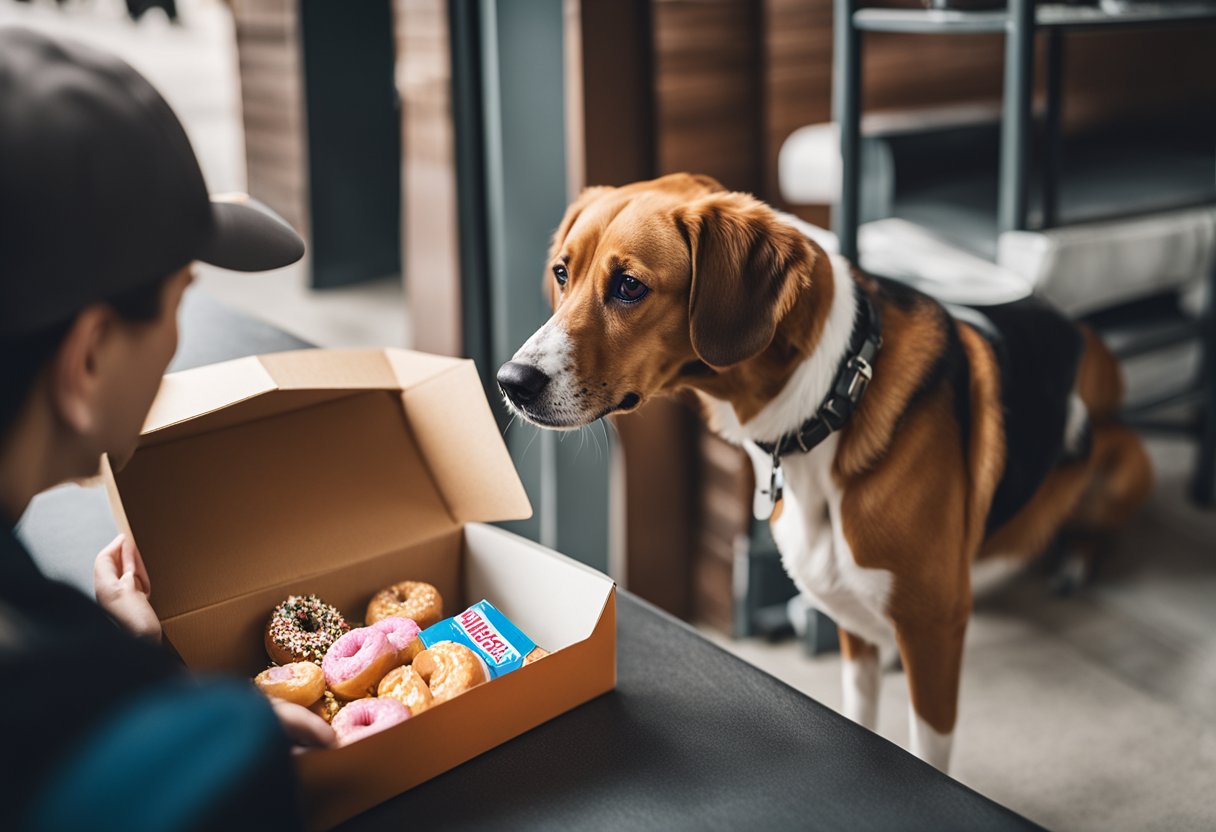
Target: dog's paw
column 1072, row 574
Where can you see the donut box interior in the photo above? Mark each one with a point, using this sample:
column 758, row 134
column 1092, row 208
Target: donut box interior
column 338, row 473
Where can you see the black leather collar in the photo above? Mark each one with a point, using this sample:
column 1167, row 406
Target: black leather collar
column 852, row 379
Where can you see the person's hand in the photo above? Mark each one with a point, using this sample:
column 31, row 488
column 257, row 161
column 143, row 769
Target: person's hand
column 121, row 584
column 305, row 729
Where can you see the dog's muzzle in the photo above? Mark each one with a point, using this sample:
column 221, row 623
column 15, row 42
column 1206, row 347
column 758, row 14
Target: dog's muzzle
column 521, row 383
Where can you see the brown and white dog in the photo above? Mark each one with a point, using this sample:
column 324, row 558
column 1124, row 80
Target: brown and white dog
column 976, row 440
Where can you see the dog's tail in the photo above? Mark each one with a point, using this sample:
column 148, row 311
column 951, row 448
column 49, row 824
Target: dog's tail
column 1099, row 379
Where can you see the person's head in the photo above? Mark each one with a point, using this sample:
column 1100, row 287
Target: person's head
column 87, row 382
column 103, row 212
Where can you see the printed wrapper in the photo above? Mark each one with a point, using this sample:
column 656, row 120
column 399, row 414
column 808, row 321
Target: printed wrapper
column 488, row 633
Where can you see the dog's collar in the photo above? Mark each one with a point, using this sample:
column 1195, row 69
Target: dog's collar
column 852, row 380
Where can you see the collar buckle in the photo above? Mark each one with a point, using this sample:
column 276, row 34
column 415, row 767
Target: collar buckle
column 860, row 380
column 852, row 379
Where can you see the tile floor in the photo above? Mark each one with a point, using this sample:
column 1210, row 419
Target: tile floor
column 1096, row 712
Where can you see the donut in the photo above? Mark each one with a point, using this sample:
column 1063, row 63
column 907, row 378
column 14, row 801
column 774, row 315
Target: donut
column 298, row 682
column 411, row 651
column 536, row 654
column 302, row 628
column 408, row 599
column 449, row 669
column 406, row 686
column 357, row 662
column 402, row 633
column 327, row 706
column 364, row 717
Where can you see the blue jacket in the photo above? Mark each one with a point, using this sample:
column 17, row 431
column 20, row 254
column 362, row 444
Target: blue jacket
column 102, row 731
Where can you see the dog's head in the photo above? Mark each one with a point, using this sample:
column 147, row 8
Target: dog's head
column 652, row 285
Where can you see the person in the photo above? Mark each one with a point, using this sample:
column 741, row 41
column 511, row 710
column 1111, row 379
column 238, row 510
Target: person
column 103, row 211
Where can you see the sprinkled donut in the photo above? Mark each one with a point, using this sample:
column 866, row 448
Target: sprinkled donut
column 406, row 686
column 449, row 669
column 364, row 717
column 357, row 662
column 408, row 599
column 302, row 628
column 298, row 682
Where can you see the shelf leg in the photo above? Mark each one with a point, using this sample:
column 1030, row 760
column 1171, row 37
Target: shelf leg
column 1053, row 140
column 1203, row 491
column 846, row 105
column 1016, row 116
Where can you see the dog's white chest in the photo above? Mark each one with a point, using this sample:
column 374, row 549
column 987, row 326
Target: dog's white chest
column 810, row 532
column 810, row 536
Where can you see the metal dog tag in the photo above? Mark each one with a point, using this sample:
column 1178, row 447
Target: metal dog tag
column 776, row 482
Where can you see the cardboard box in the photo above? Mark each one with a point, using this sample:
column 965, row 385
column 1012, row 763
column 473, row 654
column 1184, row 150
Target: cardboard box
column 339, row 473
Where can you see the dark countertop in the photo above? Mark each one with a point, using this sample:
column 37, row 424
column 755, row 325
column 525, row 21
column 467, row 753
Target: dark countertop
column 692, row 738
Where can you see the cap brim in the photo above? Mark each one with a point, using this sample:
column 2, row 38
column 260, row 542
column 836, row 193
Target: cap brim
column 249, row 237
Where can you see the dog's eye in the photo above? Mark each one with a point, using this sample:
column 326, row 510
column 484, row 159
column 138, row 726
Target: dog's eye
column 628, row 289
column 560, row 273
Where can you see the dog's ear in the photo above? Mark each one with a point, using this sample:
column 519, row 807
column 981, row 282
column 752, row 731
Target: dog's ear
column 580, row 203
column 747, row 267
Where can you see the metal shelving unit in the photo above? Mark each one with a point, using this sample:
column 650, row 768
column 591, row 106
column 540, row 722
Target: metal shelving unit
column 1020, row 22
column 1046, row 16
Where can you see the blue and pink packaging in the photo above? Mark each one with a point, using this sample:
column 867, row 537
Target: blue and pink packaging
column 488, row 633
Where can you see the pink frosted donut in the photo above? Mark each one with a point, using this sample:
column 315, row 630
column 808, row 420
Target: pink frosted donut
column 356, row 663
column 402, row 634
column 367, row 716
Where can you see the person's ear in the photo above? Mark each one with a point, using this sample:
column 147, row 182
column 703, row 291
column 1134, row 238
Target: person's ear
column 74, row 380
column 747, row 267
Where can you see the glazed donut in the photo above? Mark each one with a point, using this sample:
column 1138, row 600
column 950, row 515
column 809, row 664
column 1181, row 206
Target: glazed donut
column 327, row 706
column 298, row 682
column 406, row 686
column 449, row 669
column 402, row 633
column 357, row 662
column 536, row 654
column 302, row 628
column 408, row 599
column 364, row 717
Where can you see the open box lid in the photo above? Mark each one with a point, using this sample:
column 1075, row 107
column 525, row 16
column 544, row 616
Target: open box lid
column 264, row 470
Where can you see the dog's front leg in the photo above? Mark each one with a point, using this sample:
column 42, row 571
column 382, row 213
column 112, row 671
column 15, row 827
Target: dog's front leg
column 932, row 654
column 861, row 678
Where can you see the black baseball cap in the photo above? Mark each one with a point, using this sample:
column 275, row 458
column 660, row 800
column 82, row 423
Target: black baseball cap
column 100, row 191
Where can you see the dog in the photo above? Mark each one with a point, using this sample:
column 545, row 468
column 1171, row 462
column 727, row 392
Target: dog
column 901, row 446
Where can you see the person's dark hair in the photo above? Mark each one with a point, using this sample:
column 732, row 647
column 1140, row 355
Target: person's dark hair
column 23, row 357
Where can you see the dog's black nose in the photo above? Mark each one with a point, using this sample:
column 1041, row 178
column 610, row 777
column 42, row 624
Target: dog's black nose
column 521, row 382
